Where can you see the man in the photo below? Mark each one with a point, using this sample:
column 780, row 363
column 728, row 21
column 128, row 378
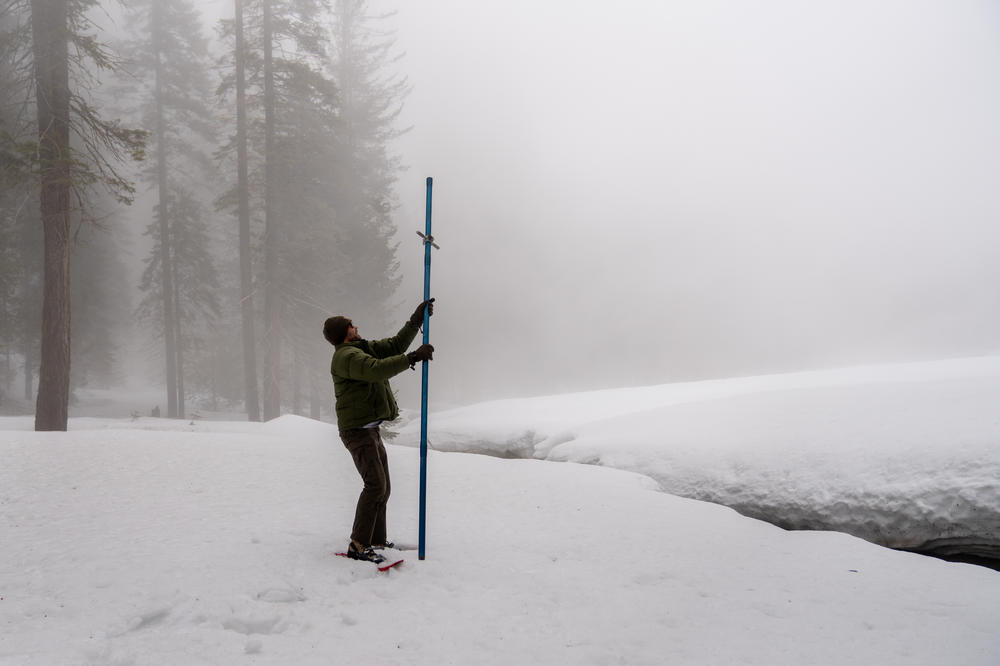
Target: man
column 361, row 370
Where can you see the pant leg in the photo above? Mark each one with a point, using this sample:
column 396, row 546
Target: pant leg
column 379, row 532
column 364, row 445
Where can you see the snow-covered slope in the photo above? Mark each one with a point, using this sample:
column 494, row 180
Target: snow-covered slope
column 906, row 455
column 160, row 543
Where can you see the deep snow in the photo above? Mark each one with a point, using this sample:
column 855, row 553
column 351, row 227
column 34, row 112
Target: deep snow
column 150, row 541
column 903, row 455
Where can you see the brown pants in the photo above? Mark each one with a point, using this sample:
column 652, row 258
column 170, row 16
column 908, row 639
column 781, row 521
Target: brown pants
column 365, row 445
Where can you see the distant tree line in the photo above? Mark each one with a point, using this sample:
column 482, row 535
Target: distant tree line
column 267, row 157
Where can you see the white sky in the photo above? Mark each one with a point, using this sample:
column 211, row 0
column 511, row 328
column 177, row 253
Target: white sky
column 646, row 191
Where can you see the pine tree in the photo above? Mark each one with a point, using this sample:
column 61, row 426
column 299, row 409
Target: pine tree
column 302, row 78
column 50, row 33
column 196, row 290
column 16, row 191
column 319, row 124
column 284, row 88
column 372, row 97
column 101, row 297
column 194, row 294
column 315, row 268
column 247, row 329
column 68, row 168
column 11, row 275
column 172, row 54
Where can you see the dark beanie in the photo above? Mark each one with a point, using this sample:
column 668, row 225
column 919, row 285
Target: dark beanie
column 335, row 329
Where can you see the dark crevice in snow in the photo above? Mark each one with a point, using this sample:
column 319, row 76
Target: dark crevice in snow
column 965, row 550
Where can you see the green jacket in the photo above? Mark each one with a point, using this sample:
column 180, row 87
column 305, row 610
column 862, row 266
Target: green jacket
column 361, row 372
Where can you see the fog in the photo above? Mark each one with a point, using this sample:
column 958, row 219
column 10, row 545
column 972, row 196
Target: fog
column 649, row 192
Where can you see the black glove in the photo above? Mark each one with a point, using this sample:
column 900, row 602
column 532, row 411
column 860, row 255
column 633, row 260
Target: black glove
column 421, row 353
column 418, row 315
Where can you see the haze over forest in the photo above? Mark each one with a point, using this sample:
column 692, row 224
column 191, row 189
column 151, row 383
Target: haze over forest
column 625, row 194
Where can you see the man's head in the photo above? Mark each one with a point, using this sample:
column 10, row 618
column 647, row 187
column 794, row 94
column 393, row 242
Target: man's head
column 340, row 329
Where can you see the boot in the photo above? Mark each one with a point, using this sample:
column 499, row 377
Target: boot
column 365, row 553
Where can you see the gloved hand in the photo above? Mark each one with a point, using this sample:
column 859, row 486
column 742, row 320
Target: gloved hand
column 421, row 353
column 418, row 315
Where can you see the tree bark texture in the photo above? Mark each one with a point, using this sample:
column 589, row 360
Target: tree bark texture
column 179, row 342
column 272, row 304
column 50, row 37
column 252, row 401
column 163, row 210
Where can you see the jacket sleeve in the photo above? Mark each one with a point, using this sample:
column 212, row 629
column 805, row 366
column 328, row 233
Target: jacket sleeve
column 395, row 345
column 353, row 363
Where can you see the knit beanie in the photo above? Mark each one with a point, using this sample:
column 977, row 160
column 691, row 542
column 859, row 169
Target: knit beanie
column 335, row 329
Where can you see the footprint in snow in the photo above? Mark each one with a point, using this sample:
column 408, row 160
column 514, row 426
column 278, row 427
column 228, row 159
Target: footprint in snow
column 280, row 595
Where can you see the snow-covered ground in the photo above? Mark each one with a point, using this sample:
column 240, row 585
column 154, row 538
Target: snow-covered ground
column 165, row 542
column 903, row 455
column 153, row 541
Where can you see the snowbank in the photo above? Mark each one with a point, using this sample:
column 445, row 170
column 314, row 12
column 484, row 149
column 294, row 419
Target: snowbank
column 906, row 456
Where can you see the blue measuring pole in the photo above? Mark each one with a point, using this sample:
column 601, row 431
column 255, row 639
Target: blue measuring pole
column 428, row 242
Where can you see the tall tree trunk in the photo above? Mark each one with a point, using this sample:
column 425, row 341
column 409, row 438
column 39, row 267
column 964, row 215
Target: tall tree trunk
column 50, row 35
column 252, row 401
column 29, row 371
column 272, row 306
column 163, row 209
column 8, row 377
column 8, row 374
column 180, row 349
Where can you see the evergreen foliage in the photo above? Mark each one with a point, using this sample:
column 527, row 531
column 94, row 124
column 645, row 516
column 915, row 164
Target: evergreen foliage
column 18, row 198
column 101, row 296
column 77, row 148
column 372, row 96
column 330, row 183
column 322, row 108
column 170, row 54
